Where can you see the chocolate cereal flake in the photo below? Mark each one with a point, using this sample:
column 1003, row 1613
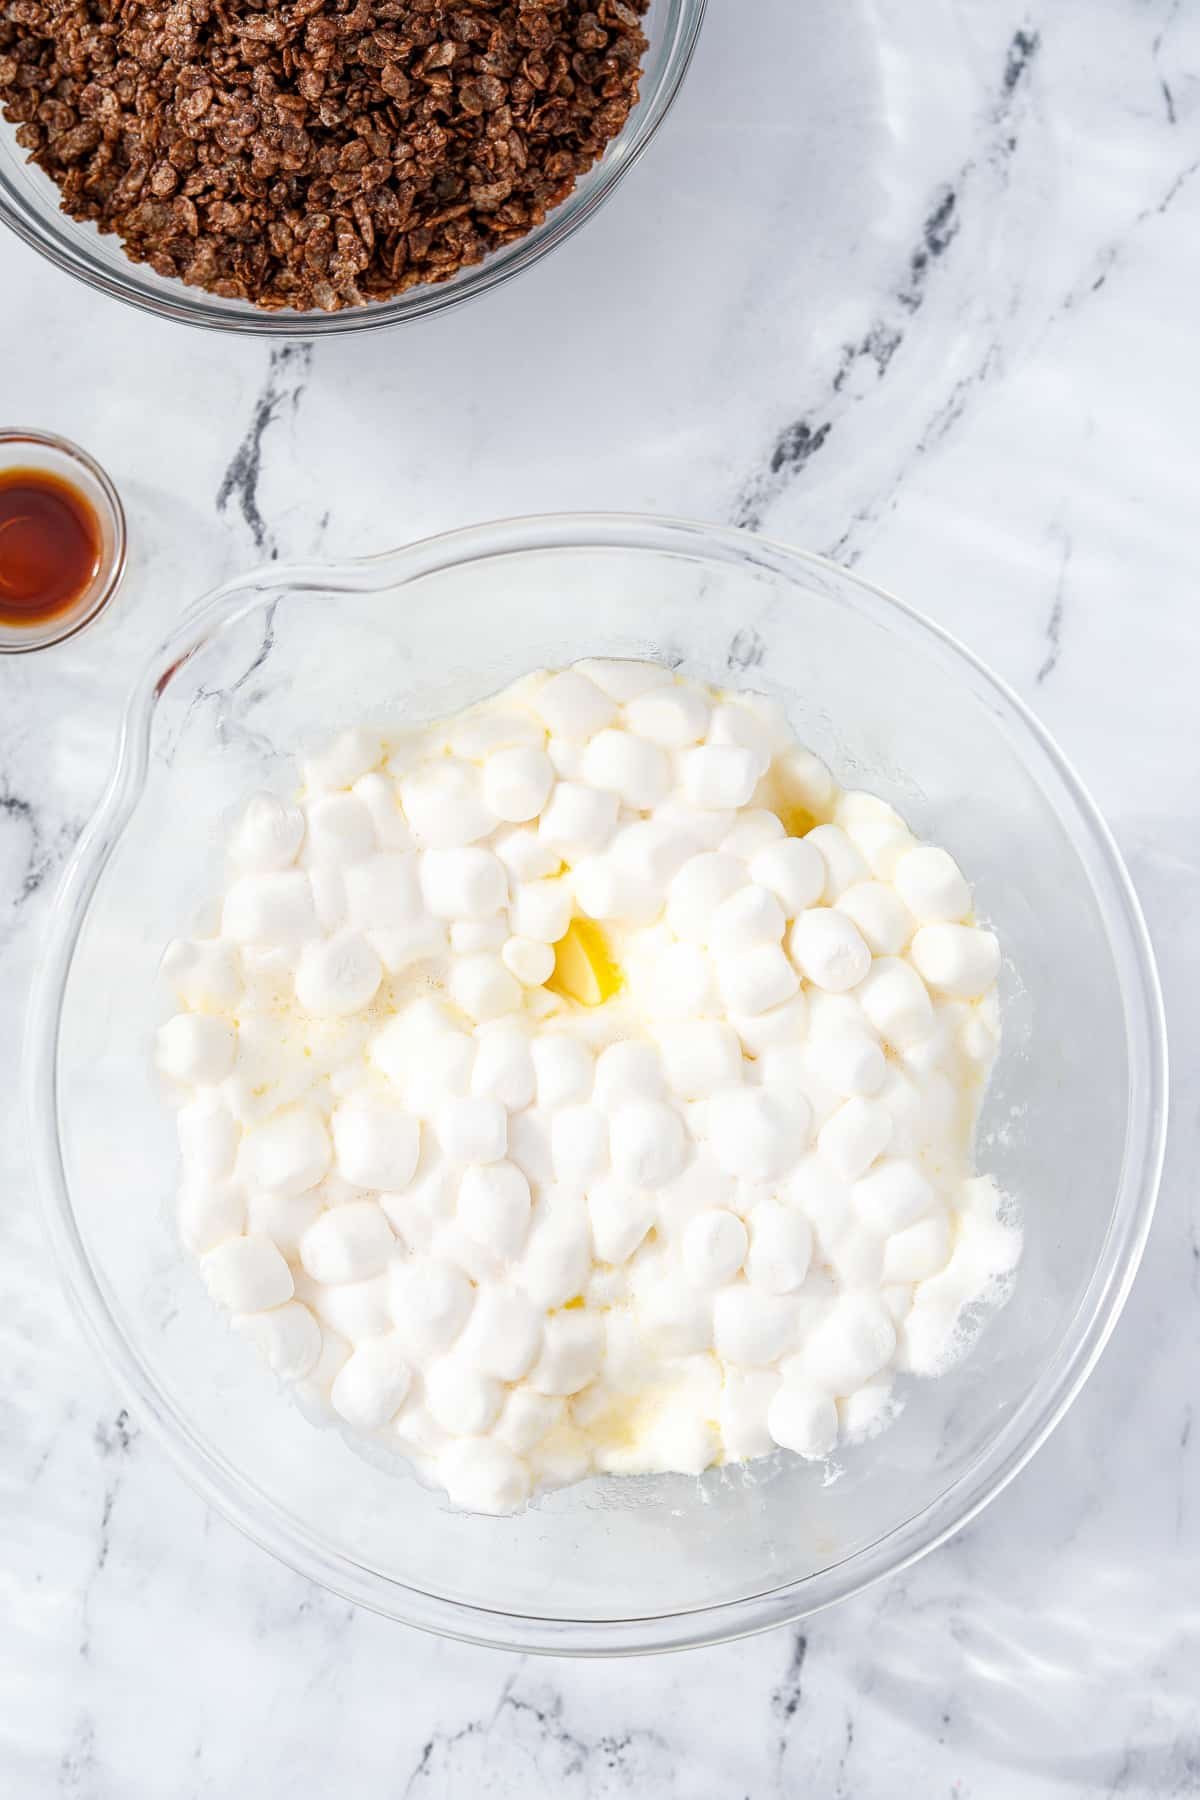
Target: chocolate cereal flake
column 322, row 153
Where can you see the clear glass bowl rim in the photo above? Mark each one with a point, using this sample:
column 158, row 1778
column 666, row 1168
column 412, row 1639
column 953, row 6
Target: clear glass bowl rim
column 220, row 1484
column 57, row 631
column 65, row 243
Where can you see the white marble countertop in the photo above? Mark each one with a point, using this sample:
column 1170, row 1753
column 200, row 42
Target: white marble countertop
column 911, row 284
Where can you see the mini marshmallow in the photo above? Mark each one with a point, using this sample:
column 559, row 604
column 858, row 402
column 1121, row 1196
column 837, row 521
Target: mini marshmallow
column 356, row 1310
column 620, row 1217
column 247, row 1275
column 781, row 1243
column 287, row 1337
column 960, row 960
column 751, row 1328
column 755, row 1137
column 503, row 1065
column 566, row 758
column 828, row 949
column 371, row 1385
column 205, row 975
column 209, row 1136
column 517, row 783
column 274, row 908
column 526, row 1418
column 651, row 850
column 793, row 869
column 718, row 775
column 628, row 766
column 748, row 918
column 784, row 1024
column 752, row 831
column 805, row 1420
column 431, row 1302
column 743, row 1410
column 623, row 678
column 525, row 856
column 754, row 981
column 424, row 1059
column 698, row 889
column 529, row 1143
column 196, row 1048
column 554, row 1267
column 573, row 707
column 340, row 830
column 805, row 779
column 897, row 1003
column 919, row 1251
column 678, row 984
column 328, row 883
column 673, row 716
column 210, row 1212
column 343, row 761
column 469, row 935
column 463, row 883
column 284, row 1218
column 383, row 892
column 578, row 818
column 462, row 1401
column 862, row 1414
column 892, row 1196
column 378, row 794
column 675, row 1318
column 572, row 1348
column 714, row 1248
column 648, row 1143
column 849, row 1062
column 268, row 835
column 338, row 976
column 504, row 1335
column 733, row 723
column 542, row 910
column 931, row 885
column 701, row 1058
column 483, row 987
column 881, row 916
column 347, row 1243
column 444, row 806
column 579, row 1144
column 376, row 1144
column 531, row 962
column 480, row 733
column 858, row 1132
column 471, row 1129
column 852, row 1344
column 483, row 1476
column 288, row 1153
column 844, row 862
column 628, row 1071
column 604, row 890
column 565, row 1069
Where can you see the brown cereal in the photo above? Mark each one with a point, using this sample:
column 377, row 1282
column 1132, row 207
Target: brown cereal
column 316, row 153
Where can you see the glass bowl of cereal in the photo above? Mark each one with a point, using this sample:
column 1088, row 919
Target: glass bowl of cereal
column 347, row 171
column 883, row 738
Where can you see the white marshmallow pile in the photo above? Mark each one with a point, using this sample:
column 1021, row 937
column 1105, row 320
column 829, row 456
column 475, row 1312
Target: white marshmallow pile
column 586, row 1083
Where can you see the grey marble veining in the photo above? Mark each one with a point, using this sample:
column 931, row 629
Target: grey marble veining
column 913, row 285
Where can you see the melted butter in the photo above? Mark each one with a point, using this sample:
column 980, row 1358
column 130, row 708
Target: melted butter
column 584, row 969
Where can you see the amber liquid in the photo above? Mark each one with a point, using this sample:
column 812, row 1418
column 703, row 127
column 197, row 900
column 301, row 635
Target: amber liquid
column 50, row 546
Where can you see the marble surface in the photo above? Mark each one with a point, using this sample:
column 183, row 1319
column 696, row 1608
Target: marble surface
column 912, row 285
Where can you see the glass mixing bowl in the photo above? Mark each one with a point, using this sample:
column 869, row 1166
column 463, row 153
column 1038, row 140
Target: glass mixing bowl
column 1073, row 1125
column 29, row 204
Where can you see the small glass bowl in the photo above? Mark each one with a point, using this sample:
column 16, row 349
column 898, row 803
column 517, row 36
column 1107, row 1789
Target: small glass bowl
column 1073, row 1124
column 29, row 204
column 21, row 448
